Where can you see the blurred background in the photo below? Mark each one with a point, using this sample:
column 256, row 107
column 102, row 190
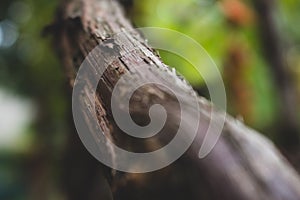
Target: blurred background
column 255, row 44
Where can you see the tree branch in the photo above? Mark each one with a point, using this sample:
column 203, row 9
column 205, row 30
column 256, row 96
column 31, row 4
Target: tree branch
column 242, row 165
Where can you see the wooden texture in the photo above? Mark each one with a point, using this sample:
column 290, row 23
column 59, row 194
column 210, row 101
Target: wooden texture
column 243, row 164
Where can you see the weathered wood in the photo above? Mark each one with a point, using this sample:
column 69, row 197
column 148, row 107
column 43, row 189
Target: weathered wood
column 243, row 164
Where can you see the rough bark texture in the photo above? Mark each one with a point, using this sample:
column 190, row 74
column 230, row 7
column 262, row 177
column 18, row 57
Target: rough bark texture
column 243, row 164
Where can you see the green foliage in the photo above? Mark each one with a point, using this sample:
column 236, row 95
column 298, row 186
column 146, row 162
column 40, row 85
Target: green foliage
column 29, row 67
column 208, row 24
column 191, row 18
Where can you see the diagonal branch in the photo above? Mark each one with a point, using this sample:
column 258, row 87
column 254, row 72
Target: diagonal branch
column 242, row 165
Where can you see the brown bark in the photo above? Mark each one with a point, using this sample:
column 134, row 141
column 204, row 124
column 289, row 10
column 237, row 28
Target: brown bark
column 243, row 164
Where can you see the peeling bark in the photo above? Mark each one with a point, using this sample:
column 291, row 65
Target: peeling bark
column 243, row 164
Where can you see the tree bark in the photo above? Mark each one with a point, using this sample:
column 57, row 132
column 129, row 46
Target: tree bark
column 243, row 164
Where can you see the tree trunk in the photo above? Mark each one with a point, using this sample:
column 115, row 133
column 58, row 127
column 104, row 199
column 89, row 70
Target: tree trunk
column 243, row 164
